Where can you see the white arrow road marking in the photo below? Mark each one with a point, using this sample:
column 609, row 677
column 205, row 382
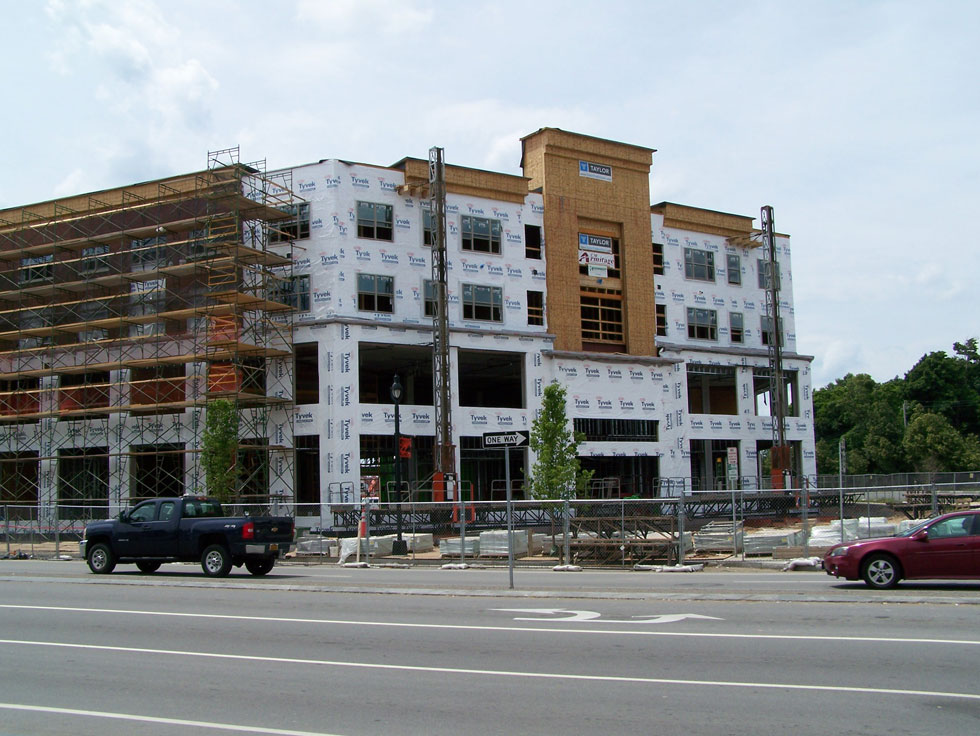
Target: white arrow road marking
column 550, row 614
column 572, row 615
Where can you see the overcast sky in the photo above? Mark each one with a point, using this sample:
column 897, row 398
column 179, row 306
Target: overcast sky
column 857, row 121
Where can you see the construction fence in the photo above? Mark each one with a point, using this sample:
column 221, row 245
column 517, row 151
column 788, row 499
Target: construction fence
column 620, row 532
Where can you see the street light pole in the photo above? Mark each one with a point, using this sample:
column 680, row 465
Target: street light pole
column 400, row 547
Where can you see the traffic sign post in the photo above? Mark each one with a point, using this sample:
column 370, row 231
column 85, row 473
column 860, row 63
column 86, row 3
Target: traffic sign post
column 732, row 482
column 507, row 440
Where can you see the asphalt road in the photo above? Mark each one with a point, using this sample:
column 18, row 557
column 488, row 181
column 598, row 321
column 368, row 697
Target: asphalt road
column 303, row 651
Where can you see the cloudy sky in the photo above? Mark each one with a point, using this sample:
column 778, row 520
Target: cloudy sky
column 856, row 121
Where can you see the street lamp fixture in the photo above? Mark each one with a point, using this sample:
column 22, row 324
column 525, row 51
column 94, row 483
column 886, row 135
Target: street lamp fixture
column 400, row 546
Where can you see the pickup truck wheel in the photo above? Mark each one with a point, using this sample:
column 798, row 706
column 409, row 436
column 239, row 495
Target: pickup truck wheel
column 216, row 562
column 101, row 561
column 148, row 566
column 260, row 566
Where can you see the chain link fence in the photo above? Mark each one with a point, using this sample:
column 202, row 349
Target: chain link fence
column 597, row 532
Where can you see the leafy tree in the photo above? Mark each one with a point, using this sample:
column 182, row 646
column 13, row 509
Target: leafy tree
column 556, row 473
column 885, row 428
column 219, row 449
column 943, row 385
column 841, row 410
column 933, row 444
column 940, row 395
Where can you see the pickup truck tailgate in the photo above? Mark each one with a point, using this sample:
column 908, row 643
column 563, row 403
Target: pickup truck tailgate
column 272, row 529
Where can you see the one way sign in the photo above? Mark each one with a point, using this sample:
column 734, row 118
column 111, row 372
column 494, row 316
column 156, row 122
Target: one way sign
column 505, row 439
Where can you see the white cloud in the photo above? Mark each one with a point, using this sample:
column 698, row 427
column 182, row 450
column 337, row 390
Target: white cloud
column 851, row 119
column 366, row 16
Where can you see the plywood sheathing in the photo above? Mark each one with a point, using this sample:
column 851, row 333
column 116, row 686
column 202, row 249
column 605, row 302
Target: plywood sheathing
column 618, row 208
column 465, row 181
column 700, row 220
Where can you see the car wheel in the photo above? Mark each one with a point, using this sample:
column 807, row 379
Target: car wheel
column 101, row 561
column 260, row 566
column 881, row 571
column 148, row 566
column 216, row 562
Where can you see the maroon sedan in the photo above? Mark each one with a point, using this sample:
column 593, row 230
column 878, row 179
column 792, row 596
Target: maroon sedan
column 945, row 547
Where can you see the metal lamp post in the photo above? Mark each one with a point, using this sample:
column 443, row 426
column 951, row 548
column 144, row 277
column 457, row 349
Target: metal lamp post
column 400, row 547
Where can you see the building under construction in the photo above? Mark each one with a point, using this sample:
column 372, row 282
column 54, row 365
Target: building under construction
column 126, row 312
column 123, row 314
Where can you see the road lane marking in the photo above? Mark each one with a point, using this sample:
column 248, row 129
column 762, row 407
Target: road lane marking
column 554, row 614
column 471, row 627
column 498, row 673
column 165, row 721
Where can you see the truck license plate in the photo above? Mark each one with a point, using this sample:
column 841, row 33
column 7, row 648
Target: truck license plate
column 273, row 547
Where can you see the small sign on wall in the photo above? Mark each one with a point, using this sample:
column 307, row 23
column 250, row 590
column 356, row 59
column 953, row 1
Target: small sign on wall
column 591, row 170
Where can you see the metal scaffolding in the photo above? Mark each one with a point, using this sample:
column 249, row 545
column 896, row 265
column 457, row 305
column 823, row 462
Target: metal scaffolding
column 123, row 315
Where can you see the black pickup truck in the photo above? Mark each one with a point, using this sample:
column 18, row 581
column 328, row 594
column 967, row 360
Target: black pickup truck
column 186, row 529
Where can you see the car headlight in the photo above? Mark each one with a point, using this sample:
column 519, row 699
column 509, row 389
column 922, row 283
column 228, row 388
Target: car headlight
column 839, row 552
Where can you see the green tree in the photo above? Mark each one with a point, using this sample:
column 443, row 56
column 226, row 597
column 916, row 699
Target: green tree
column 945, row 385
column 933, row 445
column 219, row 449
column 875, row 420
column 557, row 473
column 841, row 410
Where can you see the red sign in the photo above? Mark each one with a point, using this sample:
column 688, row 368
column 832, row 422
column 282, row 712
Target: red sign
column 404, row 447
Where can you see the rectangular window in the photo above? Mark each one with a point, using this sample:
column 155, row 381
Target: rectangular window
column 661, row 320
column 149, row 252
column 736, row 326
column 766, row 325
column 602, row 315
column 699, row 264
column 429, row 297
column 613, row 271
column 484, row 303
column 617, row 430
column 198, row 248
column 375, row 221
column 306, row 373
column 38, row 268
column 532, row 241
column 92, row 311
column 764, row 274
column 711, row 389
column 295, row 228
column 159, row 384
column 480, row 234
column 80, row 391
column 734, row 269
column 535, row 308
column 375, row 293
column 294, row 291
column 94, row 260
column 702, row 324
column 658, row 259
column 762, row 386
column 428, row 228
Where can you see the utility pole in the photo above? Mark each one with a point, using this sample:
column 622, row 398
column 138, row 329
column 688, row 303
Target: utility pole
column 779, row 456
column 444, row 451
